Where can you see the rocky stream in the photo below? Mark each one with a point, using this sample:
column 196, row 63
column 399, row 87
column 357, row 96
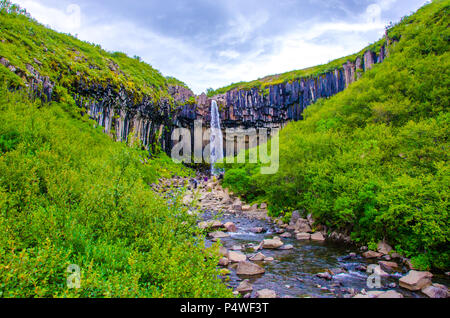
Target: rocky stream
column 265, row 258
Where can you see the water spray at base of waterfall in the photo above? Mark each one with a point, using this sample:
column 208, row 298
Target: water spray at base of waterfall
column 216, row 141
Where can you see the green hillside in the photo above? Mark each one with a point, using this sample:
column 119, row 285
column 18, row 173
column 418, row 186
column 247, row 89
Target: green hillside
column 67, row 60
column 373, row 160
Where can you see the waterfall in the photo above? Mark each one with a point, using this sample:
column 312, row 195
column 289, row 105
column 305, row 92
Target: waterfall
column 216, row 142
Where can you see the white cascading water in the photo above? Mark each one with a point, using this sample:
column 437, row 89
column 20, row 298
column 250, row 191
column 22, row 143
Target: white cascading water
column 216, row 142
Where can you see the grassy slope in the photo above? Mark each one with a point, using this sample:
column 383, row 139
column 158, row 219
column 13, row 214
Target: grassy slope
column 373, row 160
column 66, row 59
column 70, row 195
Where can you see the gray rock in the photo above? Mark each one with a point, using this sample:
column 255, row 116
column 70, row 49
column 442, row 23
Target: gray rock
column 272, row 244
column 415, row 280
column 245, row 287
column 318, row 237
column 236, row 257
column 249, row 269
column 266, row 294
column 436, row 291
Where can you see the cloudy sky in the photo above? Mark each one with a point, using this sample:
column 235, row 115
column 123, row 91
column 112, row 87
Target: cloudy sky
column 213, row 43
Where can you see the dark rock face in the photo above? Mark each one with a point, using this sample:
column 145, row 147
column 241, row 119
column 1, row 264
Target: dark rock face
column 280, row 103
column 125, row 117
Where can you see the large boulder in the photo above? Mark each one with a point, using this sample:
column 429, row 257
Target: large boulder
column 210, row 225
column 249, row 269
column 230, row 227
column 318, row 237
column 302, row 225
column 372, row 254
column 236, row 257
column 384, row 248
column 258, row 257
column 218, row 235
column 266, row 293
column 274, row 243
column 294, row 218
column 303, row 236
column 245, row 287
column 436, row 291
column 390, row 294
column 416, row 280
column 389, row 266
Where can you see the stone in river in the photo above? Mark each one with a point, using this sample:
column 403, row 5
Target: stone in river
column 249, row 269
column 436, row 291
column 245, row 287
column 258, row 257
column 303, row 236
column 230, row 227
column 236, row 257
column 273, row 243
column 388, row 266
column 218, row 235
column 372, row 254
column 390, row 294
column 318, row 237
column 224, row 262
column 266, row 293
column 384, row 248
column 415, row 280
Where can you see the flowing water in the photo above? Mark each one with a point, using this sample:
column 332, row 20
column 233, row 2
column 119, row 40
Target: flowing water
column 216, row 142
column 293, row 272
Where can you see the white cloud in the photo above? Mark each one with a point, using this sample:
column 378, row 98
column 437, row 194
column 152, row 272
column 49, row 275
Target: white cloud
column 309, row 43
column 67, row 20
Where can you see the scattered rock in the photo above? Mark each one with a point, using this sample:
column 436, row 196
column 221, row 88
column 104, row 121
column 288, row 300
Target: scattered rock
column 388, row 266
column 273, row 243
column 286, row 235
column 236, row 257
column 210, row 225
column 269, row 259
column 266, row 293
column 436, row 291
column 318, row 237
column 258, row 257
column 246, row 208
column 390, row 294
column 294, row 218
column 361, row 296
column 230, row 227
column 245, row 287
column 378, row 271
column 224, row 262
column 237, row 205
column 303, row 236
column 223, row 251
column 372, row 254
column 302, row 225
column 249, row 269
column 236, row 248
column 257, row 230
column 384, row 248
column 287, row 247
column 325, row 275
column 263, row 206
column 415, row 280
column 218, row 235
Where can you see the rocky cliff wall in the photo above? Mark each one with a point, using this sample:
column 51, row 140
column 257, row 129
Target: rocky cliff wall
column 280, row 103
